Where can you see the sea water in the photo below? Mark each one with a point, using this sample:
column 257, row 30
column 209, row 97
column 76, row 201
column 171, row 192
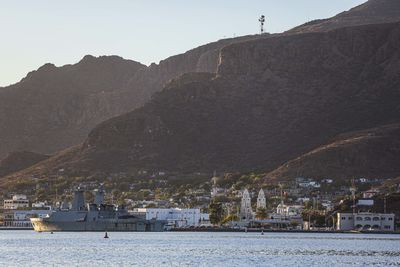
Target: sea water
column 28, row 248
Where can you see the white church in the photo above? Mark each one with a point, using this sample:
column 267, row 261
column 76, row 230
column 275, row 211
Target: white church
column 246, row 211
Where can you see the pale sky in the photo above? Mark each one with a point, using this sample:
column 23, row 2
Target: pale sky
column 35, row 32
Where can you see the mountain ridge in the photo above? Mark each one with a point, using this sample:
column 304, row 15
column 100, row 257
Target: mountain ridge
column 56, row 114
column 370, row 12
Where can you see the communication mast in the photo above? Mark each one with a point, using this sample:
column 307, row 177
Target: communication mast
column 262, row 21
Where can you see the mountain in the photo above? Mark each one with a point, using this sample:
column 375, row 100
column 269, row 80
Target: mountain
column 55, row 108
column 249, row 103
column 271, row 100
column 371, row 12
column 373, row 153
column 20, row 160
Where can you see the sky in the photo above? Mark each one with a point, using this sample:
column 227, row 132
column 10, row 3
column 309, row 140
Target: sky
column 35, row 32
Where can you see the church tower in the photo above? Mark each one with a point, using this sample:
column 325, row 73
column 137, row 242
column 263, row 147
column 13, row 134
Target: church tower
column 246, row 212
column 261, row 200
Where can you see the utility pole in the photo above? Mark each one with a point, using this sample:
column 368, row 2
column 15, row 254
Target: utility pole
column 353, row 194
column 384, row 203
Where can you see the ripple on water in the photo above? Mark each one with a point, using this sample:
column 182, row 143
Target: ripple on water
column 26, row 248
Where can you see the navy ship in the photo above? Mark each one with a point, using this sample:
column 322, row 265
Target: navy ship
column 95, row 216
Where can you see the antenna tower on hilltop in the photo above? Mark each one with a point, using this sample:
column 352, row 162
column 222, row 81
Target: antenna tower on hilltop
column 262, row 21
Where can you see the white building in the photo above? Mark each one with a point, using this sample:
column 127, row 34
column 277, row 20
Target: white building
column 41, row 205
column 365, row 221
column 370, row 193
column 365, row 202
column 309, row 184
column 21, row 218
column 289, row 210
column 176, row 217
column 246, row 212
column 17, row 201
column 261, row 200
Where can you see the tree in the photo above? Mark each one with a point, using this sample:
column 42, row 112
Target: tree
column 261, row 214
column 216, row 213
column 229, row 218
column 89, row 198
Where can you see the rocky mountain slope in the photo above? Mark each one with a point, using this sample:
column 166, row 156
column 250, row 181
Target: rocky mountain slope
column 271, row 100
column 373, row 153
column 371, row 12
column 54, row 108
column 20, row 160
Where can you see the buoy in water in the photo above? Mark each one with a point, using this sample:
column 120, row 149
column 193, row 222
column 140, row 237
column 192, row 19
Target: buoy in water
column 51, row 232
column 262, row 232
column 106, row 235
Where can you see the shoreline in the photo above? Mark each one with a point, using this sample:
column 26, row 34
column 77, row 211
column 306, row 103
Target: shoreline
column 249, row 230
column 16, row 228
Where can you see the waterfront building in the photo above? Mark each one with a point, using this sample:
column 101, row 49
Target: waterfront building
column 21, row 218
column 41, row 205
column 246, row 212
column 289, row 210
column 261, row 200
column 175, row 216
column 282, row 220
column 17, row 201
column 365, row 202
column 365, row 221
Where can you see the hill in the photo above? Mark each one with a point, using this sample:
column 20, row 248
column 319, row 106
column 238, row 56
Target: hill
column 372, row 153
column 53, row 108
column 20, row 160
column 371, row 12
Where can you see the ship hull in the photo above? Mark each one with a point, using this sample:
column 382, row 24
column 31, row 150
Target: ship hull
column 43, row 225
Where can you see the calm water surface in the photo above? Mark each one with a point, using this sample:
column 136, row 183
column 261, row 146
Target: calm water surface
column 28, row 248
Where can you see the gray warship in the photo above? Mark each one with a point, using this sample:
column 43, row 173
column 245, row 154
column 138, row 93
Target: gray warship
column 95, row 216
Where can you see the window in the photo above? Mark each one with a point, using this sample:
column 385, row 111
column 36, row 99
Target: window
column 367, row 218
column 376, row 219
column 390, row 219
column 359, row 218
column 343, row 218
column 387, row 226
column 383, row 218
